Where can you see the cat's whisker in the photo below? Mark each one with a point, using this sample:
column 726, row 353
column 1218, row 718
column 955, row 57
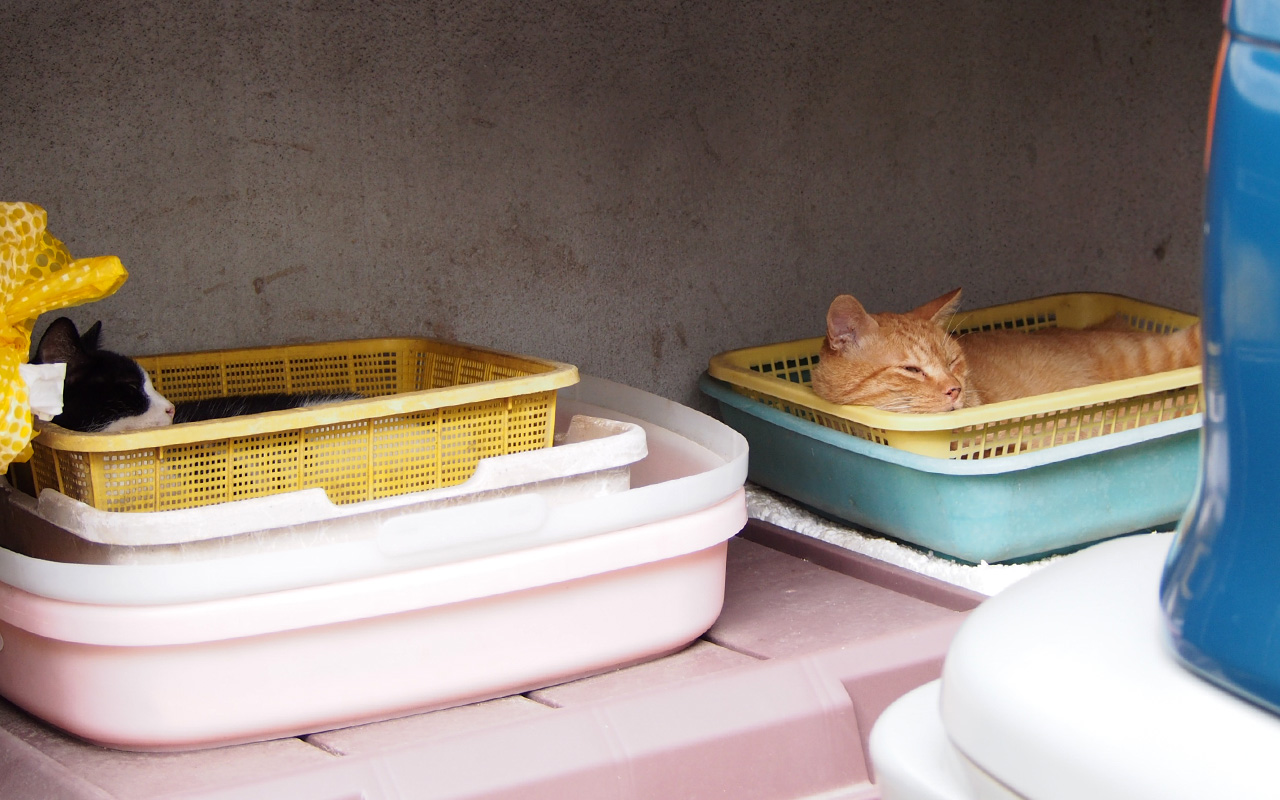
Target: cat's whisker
column 903, row 403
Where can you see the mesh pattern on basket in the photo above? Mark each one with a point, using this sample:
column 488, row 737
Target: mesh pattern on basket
column 1020, row 434
column 430, row 441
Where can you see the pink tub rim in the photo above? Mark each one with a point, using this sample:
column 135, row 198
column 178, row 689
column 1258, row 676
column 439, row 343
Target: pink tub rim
column 363, row 598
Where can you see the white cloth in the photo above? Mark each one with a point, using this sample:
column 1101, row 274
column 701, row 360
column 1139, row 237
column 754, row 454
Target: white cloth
column 44, row 388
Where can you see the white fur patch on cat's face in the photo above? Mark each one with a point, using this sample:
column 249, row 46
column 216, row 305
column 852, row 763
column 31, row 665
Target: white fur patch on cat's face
column 159, row 412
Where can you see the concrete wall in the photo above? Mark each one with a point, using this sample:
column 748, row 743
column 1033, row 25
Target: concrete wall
column 630, row 187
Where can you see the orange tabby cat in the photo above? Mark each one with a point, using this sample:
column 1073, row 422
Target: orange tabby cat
column 909, row 362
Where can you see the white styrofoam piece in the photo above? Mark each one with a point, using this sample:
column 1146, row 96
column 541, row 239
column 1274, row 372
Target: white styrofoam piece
column 693, row 462
column 1065, row 686
column 988, row 579
column 284, row 663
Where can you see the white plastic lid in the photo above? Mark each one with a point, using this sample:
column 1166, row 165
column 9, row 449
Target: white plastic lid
column 1065, row 686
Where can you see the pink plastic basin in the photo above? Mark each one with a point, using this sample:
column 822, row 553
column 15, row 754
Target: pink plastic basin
column 284, row 663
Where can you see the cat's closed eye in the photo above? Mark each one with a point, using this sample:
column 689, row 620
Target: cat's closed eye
column 913, row 369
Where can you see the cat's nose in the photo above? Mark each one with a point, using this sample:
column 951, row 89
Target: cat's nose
column 953, row 393
column 169, row 409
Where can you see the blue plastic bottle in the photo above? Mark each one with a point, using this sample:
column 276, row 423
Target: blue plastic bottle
column 1221, row 587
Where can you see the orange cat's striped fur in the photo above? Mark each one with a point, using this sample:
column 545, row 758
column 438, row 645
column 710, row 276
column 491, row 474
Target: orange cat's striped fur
column 909, row 362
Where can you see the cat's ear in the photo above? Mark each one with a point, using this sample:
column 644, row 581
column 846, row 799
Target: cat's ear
column 847, row 322
column 60, row 343
column 939, row 309
column 89, row 339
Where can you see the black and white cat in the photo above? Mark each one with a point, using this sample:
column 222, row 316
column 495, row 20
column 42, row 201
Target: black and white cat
column 105, row 392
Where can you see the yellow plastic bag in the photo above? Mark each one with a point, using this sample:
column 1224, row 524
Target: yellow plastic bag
column 37, row 275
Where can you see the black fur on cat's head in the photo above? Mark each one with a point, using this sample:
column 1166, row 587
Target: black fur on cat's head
column 103, row 391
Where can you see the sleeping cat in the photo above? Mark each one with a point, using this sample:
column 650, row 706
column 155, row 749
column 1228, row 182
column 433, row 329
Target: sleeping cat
column 106, row 392
column 103, row 391
column 909, row 362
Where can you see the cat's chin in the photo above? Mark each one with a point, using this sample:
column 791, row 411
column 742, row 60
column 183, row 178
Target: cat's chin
column 935, row 408
column 141, row 422
column 914, row 407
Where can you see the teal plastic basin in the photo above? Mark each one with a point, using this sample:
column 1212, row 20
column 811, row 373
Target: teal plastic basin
column 992, row 510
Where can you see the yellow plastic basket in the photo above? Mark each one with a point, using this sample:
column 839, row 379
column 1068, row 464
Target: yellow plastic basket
column 431, row 411
column 778, row 375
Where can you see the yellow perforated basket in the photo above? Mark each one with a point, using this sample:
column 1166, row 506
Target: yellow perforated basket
column 778, row 375
column 431, row 411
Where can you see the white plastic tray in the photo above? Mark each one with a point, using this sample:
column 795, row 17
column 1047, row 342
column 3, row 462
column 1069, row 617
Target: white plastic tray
column 592, row 458
column 693, row 463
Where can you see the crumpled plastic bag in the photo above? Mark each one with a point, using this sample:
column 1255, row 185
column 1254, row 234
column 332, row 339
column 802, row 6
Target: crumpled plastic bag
column 37, row 275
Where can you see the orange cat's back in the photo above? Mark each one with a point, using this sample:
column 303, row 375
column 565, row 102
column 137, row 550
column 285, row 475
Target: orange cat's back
column 1010, row 364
